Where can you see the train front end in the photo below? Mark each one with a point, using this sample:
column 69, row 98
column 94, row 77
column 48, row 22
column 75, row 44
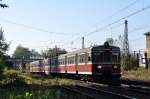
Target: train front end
column 106, row 63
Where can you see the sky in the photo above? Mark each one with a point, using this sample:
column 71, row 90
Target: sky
column 42, row 24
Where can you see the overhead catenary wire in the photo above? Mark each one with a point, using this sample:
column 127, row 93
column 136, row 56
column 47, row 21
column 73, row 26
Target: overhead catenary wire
column 31, row 27
column 42, row 30
column 117, row 12
column 112, row 15
column 140, row 28
column 90, row 33
column 108, row 25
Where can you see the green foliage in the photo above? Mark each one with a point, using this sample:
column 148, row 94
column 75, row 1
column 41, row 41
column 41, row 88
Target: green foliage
column 34, row 53
column 52, row 52
column 21, row 51
column 17, row 85
column 26, row 95
column 128, row 62
column 137, row 74
column 3, row 49
column 1, row 65
column 16, row 78
column 3, row 43
column 111, row 41
column 2, row 5
column 24, row 52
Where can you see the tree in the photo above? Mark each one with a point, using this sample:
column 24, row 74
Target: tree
column 3, row 49
column 3, row 43
column 3, row 5
column 52, row 52
column 111, row 41
column 21, row 52
column 127, row 61
column 119, row 42
column 34, row 53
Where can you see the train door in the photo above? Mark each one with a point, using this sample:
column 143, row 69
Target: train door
column 65, row 64
column 86, row 62
column 49, row 62
column 76, row 63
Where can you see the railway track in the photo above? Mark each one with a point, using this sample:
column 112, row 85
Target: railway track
column 95, row 93
column 135, row 82
column 137, row 86
column 127, row 91
column 140, row 89
column 130, row 92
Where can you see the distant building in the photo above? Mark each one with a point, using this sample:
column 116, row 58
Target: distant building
column 20, row 63
column 148, row 44
column 8, row 61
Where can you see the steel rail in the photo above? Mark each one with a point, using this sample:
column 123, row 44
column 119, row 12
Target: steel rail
column 122, row 96
column 79, row 92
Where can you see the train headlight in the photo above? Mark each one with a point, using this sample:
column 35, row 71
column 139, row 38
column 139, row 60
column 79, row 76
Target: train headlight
column 115, row 67
column 99, row 67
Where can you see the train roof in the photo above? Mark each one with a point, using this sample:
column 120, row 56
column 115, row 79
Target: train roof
column 88, row 50
column 102, row 46
column 84, row 50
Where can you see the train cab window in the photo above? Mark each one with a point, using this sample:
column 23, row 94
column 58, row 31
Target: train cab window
column 97, row 57
column 107, row 57
column 115, row 57
column 89, row 58
column 101, row 57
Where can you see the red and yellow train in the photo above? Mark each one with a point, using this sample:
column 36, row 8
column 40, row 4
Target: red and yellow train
column 98, row 63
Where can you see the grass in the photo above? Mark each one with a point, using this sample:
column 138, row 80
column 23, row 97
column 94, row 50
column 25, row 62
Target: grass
column 16, row 85
column 139, row 74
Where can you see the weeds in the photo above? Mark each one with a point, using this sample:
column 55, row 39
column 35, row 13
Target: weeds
column 16, row 85
column 138, row 74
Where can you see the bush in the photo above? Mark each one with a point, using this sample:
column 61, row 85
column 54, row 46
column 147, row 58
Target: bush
column 1, row 65
column 26, row 95
column 16, row 78
column 139, row 74
column 128, row 62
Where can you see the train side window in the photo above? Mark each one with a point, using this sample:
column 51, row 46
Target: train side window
column 50, row 62
column 72, row 59
column 68, row 60
column 60, row 61
column 63, row 61
column 82, row 58
column 79, row 59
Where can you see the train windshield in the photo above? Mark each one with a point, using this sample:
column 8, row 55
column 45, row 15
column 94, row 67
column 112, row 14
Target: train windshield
column 106, row 57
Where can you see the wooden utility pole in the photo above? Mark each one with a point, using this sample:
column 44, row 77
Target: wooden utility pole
column 82, row 42
column 137, row 56
column 146, row 60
